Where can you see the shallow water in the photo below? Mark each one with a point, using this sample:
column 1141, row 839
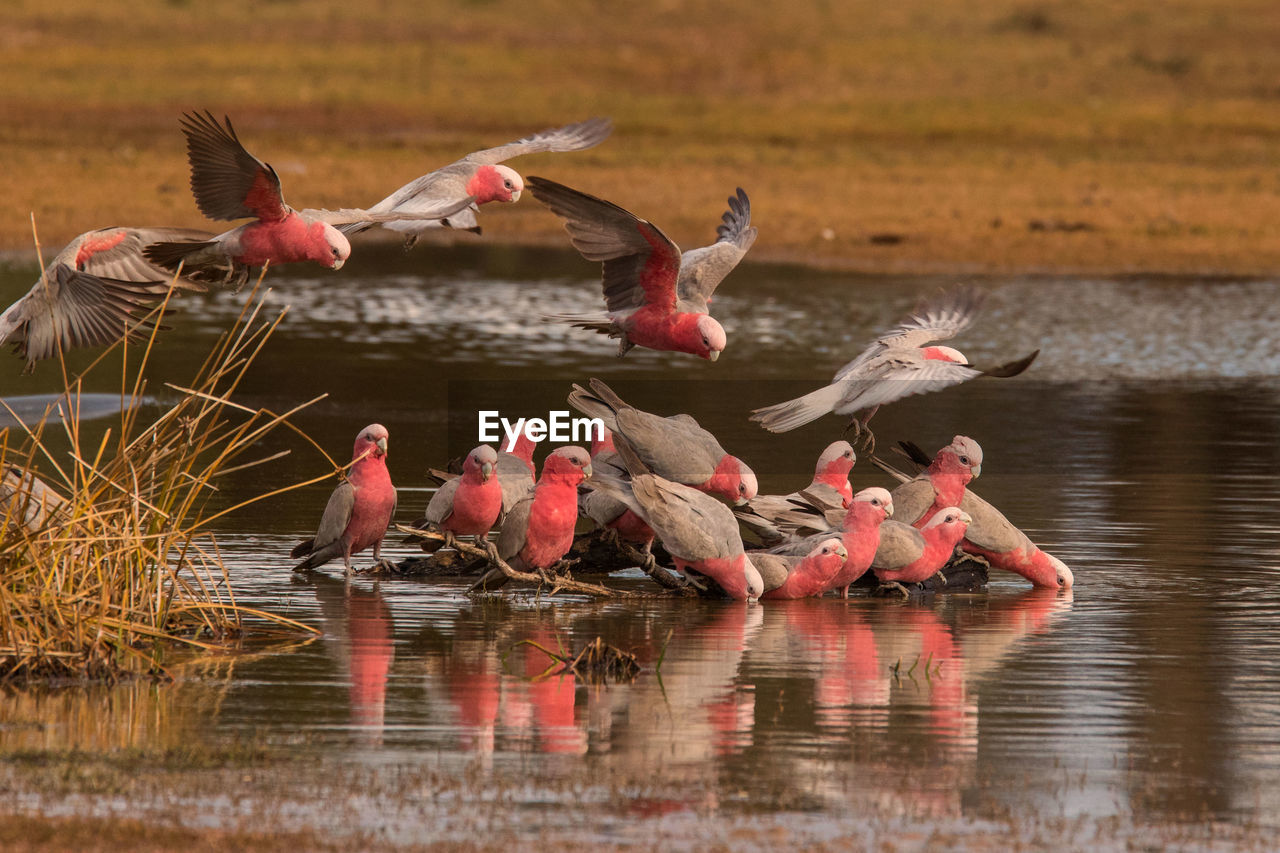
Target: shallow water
column 1140, row 448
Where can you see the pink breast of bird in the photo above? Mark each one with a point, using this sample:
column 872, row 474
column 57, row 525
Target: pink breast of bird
column 94, row 245
column 476, row 505
column 284, row 241
column 812, row 576
column 1033, row 565
column 939, row 544
column 725, row 481
column 660, row 328
column 837, row 477
column 632, row 528
column 551, row 520
column 375, row 500
column 729, row 572
column 861, row 538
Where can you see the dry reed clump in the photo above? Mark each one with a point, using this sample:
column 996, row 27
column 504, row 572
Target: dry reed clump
column 107, row 559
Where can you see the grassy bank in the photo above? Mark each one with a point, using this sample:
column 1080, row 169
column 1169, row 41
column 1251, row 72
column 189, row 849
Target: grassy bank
column 913, row 136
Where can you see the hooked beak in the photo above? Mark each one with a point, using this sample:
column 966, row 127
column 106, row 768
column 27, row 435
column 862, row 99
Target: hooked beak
column 586, row 471
column 976, row 469
column 337, row 263
column 713, row 355
column 486, row 471
column 888, row 510
column 966, row 518
column 843, row 552
column 382, row 445
column 515, row 195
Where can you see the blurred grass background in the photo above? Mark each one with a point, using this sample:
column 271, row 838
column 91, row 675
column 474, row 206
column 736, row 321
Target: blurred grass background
column 971, row 135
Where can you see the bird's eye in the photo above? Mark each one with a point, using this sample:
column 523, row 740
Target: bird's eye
column 875, row 502
column 507, row 184
column 964, row 460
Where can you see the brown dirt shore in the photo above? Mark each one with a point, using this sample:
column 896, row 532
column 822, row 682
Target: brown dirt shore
column 966, row 137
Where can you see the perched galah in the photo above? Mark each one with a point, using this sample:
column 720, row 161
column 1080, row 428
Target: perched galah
column 675, row 448
column 941, row 484
column 994, row 538
column 230, row 183
column 538, row 531
column 896, row 365
column 654, row 296
column 774, row 518
column 93, row 293
column 359, row 509
column 910, row 555
column 468, row 505
column 698, row 531
column 478, row 178
column 800, row 577
column 607, row 511
column 859, row 532
column 516, row 472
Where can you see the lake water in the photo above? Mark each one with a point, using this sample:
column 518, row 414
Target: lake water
column 1142, row 706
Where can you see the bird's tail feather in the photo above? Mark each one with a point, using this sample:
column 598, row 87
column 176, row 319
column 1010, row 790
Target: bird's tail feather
column 783, row 417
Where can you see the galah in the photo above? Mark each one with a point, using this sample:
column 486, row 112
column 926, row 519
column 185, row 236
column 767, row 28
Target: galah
column 468, row 505
column 773, row 518
column 654, row 296
column 675, row 448
column 538, row 531
column 359, row 509
column 898, row 364
column 230, row 183
column 477, row 179
column 941, row 484
column 859, row 532
column 94, row 292
column 800, row 577
column 910, row 555
column 698, row 531
column 604, row 509
column 995, row 539
column 516, row 473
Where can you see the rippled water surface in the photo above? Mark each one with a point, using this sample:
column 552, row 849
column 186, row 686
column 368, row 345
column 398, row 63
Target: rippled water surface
column 1141, row 448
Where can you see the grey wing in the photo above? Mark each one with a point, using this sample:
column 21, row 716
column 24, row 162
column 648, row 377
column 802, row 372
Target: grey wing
column 801, row 547
column 702, row 270
column 989, row 529
column 514, row 529
column 684, row 519
column 337, row 515
column 900, row 545
column 440, row 507
column 227, row 181
column 936, row 319
column 773, row 568
column 430, row 211
column 125, row 261
column 912, row 500
column 571, row 137
column 898, row 374
column 516, row 481
column 666, row 449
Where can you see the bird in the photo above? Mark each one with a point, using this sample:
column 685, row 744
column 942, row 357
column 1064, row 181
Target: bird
column 698, row 531
column 655, row 297
column 468, row 505
column 479, row 178
column 897, row 364
column 859, row 532
column 773, row 518
column 675, row 448
column 538, row 531
column 359, row 509
column 229, row 183
column 800, row 577
column 907, row 555
column 96, row 291
column 941, row 484
column 604, row 509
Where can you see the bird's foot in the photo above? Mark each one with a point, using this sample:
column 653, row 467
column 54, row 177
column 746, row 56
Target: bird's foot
column 885, row 588
column 384, row 566
column 696, row 584
column 491, row 550
column 942, row 579
column 611, row 538
column 451, row 541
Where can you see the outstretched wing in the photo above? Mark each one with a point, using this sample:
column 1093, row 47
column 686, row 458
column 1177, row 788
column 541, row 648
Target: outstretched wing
column 227, row 181
column 350, row 215
column 640, row 262
column 117, row 253
column 936, row 319
column 571, row 137
column 702, row 270
column 899, row 374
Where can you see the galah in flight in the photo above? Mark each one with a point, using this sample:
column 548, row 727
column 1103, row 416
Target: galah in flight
column 93, row 293
column 675, row 448
column 859, row 532
column 654, row 296
column 909, row 555
column 468, row 505
column 788, row 577
column 359, row 509
column 229, row 183
column 478, row 178
column 538, row 531
column 898, row 364
column 767, row 517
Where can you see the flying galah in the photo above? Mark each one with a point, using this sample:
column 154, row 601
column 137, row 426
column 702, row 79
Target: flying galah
column 478, row 178
column 800, row 577
column 230, row 183
column 942, row 484
column 897, row 364
column 994, row 538
column 675, row 448
column 468, row 505
column 93, row 293
column 538, row 531
column 773, row 518
column 698, row 531
column 910, row 555
column 359, row 509
column 859, row 532
column 654, row 296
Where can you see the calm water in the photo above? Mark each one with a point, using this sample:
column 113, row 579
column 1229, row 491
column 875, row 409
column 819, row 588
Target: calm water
column 1140, row 448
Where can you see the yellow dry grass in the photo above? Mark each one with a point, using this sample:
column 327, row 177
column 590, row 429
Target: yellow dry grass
column 959, row 136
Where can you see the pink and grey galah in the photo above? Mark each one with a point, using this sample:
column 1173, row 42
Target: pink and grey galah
column 359, row 509
column 478, row 178
column 229, row 183
column 787, row 577
column 538, row 531
column 698, row 531
column 654, row 296
column 468, row 505
column 675, row 448
column 941, row 484
column 94, row 292
column 897, row 364
column 607, row 511
column 774, row 518
column 908, row 555
column 859, row 532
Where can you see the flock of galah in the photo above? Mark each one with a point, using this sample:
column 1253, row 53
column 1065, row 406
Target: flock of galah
column 651, row 477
